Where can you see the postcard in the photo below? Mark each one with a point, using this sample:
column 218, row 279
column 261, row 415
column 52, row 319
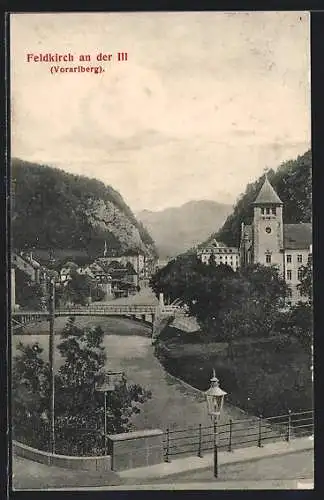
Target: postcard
column 161, row 253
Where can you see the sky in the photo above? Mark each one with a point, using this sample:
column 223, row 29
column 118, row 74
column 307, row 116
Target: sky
column 204, row 103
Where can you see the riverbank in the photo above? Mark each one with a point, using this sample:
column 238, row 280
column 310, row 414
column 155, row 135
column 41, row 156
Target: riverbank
column 266, row 376
column 129, row 348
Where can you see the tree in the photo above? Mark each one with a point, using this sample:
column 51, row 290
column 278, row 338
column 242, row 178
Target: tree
column 266, row 284
column 79, row 406
column 79, row 288
column 29, row 294
column 79, row 409
column 212, row 260
column 30, row 395
column 300, row 323
column 306, row 282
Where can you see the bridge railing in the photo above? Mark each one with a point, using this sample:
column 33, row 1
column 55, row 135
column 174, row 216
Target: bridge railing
column 134, row 308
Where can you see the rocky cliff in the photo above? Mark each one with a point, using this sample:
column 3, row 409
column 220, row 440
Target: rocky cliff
column 56, row 211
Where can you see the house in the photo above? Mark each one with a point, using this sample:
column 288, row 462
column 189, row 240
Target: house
column 136, row 258
column 26, row 263
column 124, row 279
column 222, row 254
column 269, row 241
column 36, row 273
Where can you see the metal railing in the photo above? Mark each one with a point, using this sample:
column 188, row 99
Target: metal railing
column 93, row 309
column 237, row 434
column 96, row 310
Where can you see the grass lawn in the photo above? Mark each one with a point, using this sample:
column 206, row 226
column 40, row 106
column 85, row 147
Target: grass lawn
column 266, row 376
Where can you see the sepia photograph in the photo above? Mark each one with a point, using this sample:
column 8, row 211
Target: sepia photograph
column 161, row 276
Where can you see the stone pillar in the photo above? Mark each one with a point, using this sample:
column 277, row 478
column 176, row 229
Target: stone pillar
column 13, row 288
column 136, row 449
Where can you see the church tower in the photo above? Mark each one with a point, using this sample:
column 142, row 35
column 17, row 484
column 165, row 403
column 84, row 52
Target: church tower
column 268, row 228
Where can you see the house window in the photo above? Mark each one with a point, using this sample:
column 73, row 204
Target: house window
column 299, row 258
column 288, row 259
column 289, row 292
column 299, row 274
column 288, row 274
column 268, row 258
column 268, row 211
column 262, row 211
column 274, row 211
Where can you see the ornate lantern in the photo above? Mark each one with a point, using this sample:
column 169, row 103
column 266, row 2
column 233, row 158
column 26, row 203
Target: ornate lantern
column 215, row 398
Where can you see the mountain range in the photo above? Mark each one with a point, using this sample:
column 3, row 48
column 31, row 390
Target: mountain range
column 177, row 229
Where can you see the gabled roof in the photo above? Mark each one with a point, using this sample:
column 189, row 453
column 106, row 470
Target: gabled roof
column 297, row 236
column 267, row 195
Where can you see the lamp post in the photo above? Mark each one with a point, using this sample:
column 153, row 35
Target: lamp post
column 108, row 384
column 215, row 400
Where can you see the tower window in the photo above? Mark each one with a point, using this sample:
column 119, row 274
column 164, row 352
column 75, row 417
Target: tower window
column 273, row 210
column 268, row 258
column 268, row 230
column 289, row 274
column 288, row 259
column 299, row 258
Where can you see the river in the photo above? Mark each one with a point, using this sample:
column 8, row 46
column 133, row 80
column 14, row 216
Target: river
column 129, row 349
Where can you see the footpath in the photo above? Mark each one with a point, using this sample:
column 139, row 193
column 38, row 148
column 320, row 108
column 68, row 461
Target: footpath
column 28, row 475
column 176, row 467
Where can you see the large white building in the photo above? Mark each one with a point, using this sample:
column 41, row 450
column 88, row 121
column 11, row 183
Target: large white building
column 222, row 254
column 269, row 241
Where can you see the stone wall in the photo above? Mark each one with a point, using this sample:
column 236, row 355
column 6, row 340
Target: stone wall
column 102, row 463
column 136, row 449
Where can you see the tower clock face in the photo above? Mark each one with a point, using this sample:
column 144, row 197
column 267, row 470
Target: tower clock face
column 268, row 230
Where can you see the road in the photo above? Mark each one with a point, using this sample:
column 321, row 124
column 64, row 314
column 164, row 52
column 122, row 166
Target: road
column 294, row 466
column 267, row 473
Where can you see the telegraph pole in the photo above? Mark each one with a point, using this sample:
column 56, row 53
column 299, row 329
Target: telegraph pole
column 51, row 363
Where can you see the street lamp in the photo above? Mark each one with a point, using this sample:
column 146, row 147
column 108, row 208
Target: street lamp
column 108, row 384
column 215, row 401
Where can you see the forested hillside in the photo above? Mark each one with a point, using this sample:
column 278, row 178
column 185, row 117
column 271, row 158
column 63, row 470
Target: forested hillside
column 293, row 183
column 56, row 210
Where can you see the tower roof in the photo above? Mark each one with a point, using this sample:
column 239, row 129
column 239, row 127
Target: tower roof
column 267, row 195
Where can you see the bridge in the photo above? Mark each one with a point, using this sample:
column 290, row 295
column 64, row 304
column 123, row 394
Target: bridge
column 158, row 315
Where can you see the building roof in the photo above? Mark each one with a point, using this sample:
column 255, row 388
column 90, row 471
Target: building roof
column 267, row 195
column 297, row 236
